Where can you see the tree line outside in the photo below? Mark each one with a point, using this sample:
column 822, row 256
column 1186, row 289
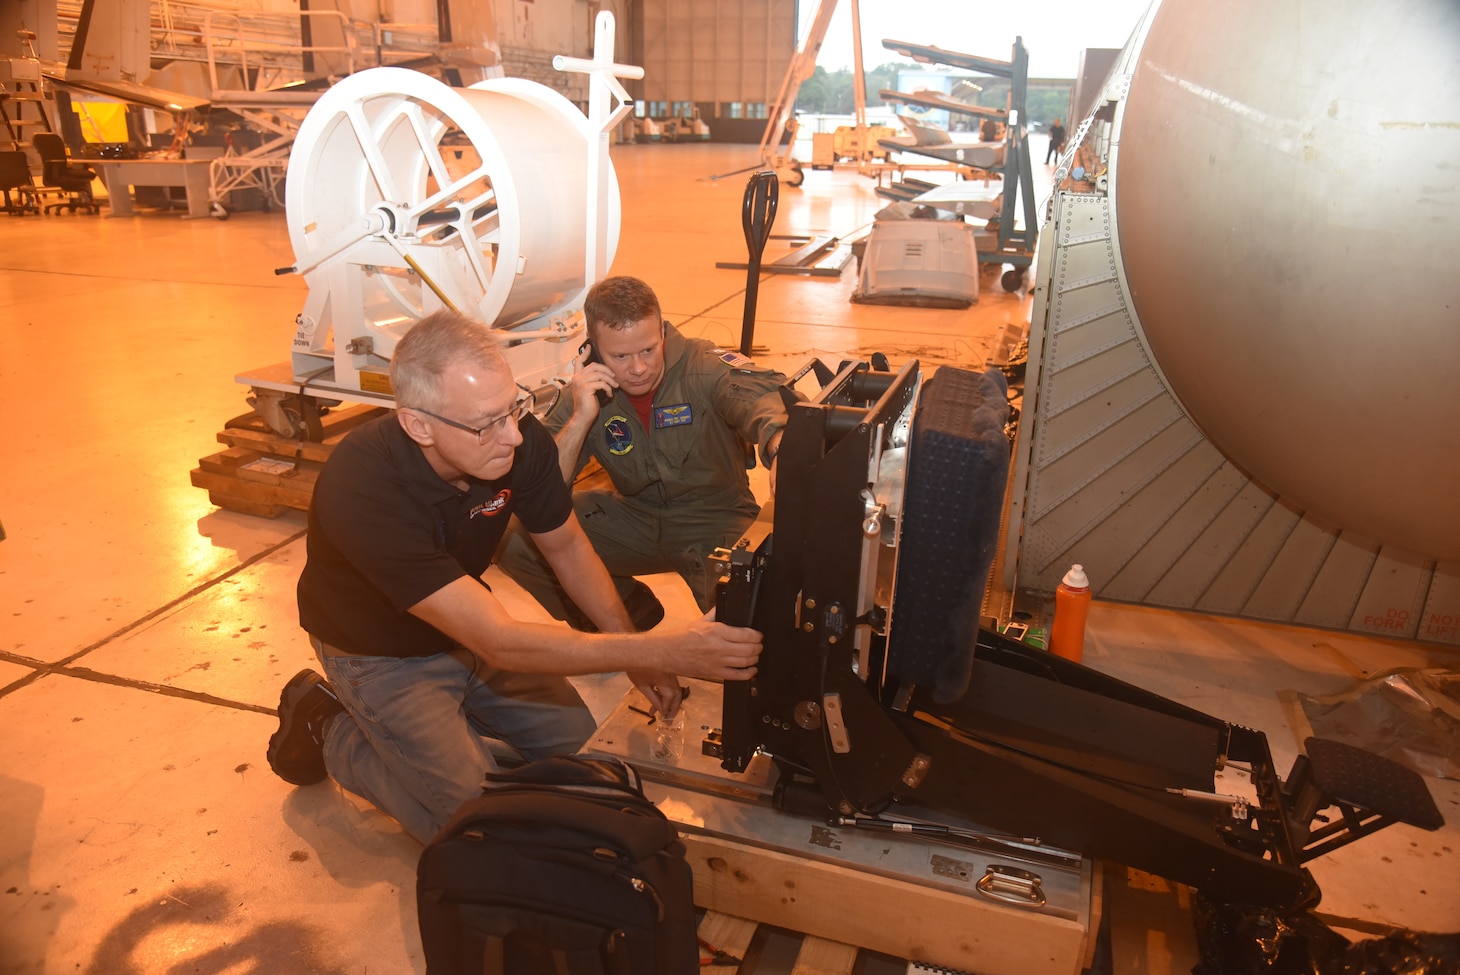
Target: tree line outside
column 831, row 93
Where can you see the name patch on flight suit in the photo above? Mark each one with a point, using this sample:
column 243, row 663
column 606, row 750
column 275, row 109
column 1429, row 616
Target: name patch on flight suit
column 678, row 415
column 618, row 435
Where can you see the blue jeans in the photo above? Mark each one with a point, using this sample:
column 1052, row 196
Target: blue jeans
column 413, row 740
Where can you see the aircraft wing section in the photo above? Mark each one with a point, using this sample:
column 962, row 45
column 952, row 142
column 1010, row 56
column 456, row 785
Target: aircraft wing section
column 967, row 198
column 126, row 91
column 933, row 99
column 927, row 54
column 979, row 155
column 271, row 98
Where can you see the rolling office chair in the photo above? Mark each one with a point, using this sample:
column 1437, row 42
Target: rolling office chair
column 57, row 171
column 15, row 175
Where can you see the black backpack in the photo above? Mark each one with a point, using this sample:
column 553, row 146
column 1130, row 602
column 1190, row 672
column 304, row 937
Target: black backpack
column 561, row 866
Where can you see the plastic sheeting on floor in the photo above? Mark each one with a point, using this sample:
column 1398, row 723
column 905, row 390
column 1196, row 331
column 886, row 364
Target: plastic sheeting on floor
column 1409, row 716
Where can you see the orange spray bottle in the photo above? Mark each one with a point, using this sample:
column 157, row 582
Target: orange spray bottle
column 1071, row 606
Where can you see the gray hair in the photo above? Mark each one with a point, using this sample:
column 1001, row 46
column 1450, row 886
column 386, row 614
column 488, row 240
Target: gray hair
column 433, row 344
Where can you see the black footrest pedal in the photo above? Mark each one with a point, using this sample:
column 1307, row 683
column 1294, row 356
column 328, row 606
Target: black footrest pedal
column 1368, row 781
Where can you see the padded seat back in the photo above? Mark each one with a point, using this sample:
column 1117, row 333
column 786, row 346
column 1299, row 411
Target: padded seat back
column 952, row 506
column 14, row 170
column 56, row 168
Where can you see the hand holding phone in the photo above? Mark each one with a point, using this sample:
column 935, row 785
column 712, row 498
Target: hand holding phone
column 602, row 395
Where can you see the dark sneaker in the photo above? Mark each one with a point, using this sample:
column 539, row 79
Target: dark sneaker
column 296, row 750
column 644, row 608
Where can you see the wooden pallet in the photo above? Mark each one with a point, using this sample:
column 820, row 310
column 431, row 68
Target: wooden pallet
column 813, row 908
column 262, row 473
column 750, row 948
column 844, row 896
column 762, row 948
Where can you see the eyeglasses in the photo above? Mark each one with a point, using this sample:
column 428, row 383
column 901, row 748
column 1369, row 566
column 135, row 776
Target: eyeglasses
column 540, row 400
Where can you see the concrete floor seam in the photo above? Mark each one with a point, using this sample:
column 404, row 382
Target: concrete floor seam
column 167, row 690
column 198, row 590
column 133, row 279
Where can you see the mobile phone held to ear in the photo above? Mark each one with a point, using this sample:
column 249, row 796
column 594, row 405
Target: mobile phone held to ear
column 603, row 396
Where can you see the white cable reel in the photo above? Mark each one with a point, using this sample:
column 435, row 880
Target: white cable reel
column 406, row 195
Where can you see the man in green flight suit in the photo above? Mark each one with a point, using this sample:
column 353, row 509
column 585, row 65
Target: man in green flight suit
column 668, row 418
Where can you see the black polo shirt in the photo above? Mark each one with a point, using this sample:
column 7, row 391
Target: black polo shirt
column 385, row 532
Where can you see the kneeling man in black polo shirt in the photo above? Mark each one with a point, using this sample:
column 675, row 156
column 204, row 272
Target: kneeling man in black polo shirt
column 423, row 662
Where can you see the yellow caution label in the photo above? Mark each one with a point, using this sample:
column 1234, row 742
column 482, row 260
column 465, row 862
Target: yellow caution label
column 376, row 382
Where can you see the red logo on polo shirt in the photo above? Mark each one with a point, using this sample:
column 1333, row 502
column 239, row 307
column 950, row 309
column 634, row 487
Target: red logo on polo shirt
column 493, row 506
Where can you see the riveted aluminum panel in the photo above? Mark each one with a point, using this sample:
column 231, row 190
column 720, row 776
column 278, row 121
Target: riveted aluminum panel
column 1336, row 589
column 1394, row 594
column 1239, row 578
column 1440, row 618
column 1114, row 472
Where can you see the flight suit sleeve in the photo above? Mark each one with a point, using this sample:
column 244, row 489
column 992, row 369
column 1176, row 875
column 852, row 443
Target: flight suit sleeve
column 560, row 414
column 748, row 397
column 557, row 418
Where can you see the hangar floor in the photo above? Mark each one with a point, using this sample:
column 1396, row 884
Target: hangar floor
column 147, row 633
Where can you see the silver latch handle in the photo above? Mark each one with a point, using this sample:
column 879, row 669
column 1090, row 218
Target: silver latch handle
column 1012, row 886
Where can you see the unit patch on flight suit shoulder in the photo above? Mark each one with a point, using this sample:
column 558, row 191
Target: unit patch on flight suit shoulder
column 678, row 415
column 618, row 435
